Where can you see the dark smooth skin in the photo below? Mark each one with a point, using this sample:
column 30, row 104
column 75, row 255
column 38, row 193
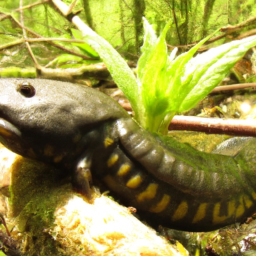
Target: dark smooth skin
column 79, row 128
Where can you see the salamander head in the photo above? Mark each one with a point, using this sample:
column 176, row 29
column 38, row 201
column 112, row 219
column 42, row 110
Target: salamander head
column 50, row 120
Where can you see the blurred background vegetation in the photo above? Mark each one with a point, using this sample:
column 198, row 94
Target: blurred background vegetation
column 120, row 21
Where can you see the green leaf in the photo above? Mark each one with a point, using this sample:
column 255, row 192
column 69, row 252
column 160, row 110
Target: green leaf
column 64, row 58
column 179, row 86
column 117, row 66
column 166, row 85
column 160, row 82
column 150, row 40
column 208, row 69
column 87, row 49
column 152, row 73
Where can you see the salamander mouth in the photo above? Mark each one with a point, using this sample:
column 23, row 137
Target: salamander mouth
column 8, row 130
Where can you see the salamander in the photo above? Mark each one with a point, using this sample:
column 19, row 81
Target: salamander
column 79, row 128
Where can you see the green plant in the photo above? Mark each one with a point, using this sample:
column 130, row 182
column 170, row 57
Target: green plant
column 166, row 85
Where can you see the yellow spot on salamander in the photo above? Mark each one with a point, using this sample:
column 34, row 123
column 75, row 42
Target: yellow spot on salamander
column 48, row 150
column 57, row 159
column 159, row 207
column 112, row 160
column 108, row 142
column 254, row 195
column 240, row 208
column 4, row 132
column 181, row 211
column 149, row 193
column 200, row 214
column 124, row 169
column 134, row 182
column 216, row 212
column 248, row 202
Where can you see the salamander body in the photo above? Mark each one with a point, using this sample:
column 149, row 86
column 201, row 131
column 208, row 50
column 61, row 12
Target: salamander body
column 75, row 127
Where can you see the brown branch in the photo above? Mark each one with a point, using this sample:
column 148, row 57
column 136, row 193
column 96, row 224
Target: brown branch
column 238, row 26
column 209, row 125
column 2, row 220
column 233, row 127
column 233, row 87
column 214, row 125
column 246, row 34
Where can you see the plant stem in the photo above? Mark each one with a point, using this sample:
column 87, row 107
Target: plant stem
column 163, row 129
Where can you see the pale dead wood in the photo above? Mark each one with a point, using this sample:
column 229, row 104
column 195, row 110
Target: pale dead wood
column 45, row 210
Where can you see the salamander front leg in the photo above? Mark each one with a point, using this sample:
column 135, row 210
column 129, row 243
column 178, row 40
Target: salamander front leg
column 82, row 181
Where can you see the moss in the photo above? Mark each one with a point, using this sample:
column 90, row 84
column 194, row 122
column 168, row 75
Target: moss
column 199, row 140
column 36, row 192
column 18, row 72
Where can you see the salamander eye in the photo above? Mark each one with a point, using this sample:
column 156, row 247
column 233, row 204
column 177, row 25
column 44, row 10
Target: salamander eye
column 26, row 89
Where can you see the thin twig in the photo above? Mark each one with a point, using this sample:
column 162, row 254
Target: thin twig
column 25, row 37
column 54, row 39
column 246, row 34
column 46, row 40
column 72, row 5
column 49, row 40
column 233, row 87
column 216, row 38
column 17, row 42
column 238, row 26
column 233, row 127
column 20, row 41
column 4, row 223
column 32, row 5
column 209, row 125
column 6, row 16
column 214, row 125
